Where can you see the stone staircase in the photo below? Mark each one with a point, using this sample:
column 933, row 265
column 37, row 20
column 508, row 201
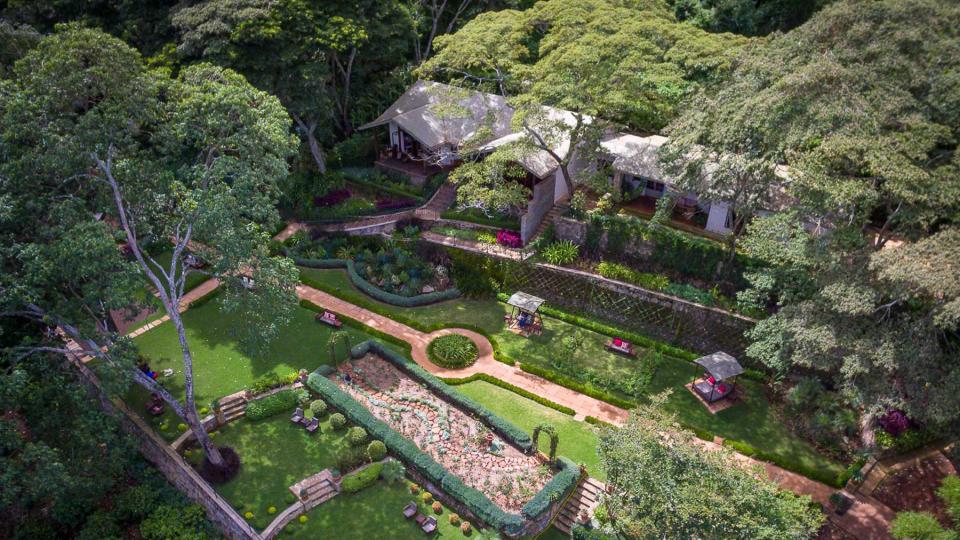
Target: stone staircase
column 558, row 210
column 584, row 499
column 315, row 490
column 233, row 406
column 441, row 201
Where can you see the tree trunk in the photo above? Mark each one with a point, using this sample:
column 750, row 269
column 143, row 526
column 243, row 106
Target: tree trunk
column 868, row 423
column 564, row 170
column 315, row 150
column 192, row 417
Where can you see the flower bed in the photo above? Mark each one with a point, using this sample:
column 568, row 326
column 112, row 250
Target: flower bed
column 378, row 421
column 452, row 351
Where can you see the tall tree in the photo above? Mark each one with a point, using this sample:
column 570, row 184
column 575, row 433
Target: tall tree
column 607, row 63
column 868, row 122
column 663, row 484
column 89, row 130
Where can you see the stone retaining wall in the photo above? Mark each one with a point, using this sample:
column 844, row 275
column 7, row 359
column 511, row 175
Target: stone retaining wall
column 177, row 471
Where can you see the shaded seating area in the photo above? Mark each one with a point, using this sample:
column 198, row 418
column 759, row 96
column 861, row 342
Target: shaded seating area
column 718, row 382
column 410, row 510
column 524, row 317
column 330, row 318
column 312, row 425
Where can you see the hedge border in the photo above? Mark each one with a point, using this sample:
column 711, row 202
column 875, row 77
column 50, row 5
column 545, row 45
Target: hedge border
column 452, row 381
column 477, row 502
column 357, row 325
column 832, row 480
column 375, row 292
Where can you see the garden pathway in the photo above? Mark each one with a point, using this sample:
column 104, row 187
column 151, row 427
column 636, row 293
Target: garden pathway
column 867, row 519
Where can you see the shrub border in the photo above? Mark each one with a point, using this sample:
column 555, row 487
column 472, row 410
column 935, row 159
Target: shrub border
column 375, row 292
column 565, row 478
column 452, row 381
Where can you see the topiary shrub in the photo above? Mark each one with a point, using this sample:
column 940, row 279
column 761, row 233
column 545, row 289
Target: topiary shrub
column 437, row 507
column 453, row 351
column 427, row 497
column 454, row 520
column 376, row 450
column 318, row 407
column 363, row 478
column 918, row 525
column 949, row 491
column 357, row 436
column 285, row 400
column 337, row 421
column 465, row 527
column 350, row 458
column 218, row 474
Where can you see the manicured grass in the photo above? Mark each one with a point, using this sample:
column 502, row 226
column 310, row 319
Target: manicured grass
column 578, row 440
column 220, row 366
column 275, row 454
column 753, row 421
column 375, row 512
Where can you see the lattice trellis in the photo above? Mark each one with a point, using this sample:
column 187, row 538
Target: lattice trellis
column 680, row 323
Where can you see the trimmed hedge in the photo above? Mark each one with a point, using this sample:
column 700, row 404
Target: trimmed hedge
column 597, row 422
column 469, row 217
column 567, row 475
column 812, row 473
column 363, row 478
column 374, row 292
column 515, row 389
column 326, row 370
column 425, row 465
column 353, row 323
column 284, row 400
column 576, row 385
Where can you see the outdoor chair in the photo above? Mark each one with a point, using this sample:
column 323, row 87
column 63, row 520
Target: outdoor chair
column 312, row 426
column 410, row 510
column 420, row 519
column 429, row 525
column 328, row 317
column 621, row 346
column 297, row 416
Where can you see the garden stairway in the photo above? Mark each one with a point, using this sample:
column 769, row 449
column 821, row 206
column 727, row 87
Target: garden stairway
column 441, row 201
column 584, row 499
column 315, row 490
column 233, row 406
column 558, row 210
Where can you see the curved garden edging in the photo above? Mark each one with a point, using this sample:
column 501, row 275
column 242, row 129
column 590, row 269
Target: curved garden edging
column 374, row 292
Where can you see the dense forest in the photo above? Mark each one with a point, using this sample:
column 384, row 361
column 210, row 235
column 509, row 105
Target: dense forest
column 858, row 99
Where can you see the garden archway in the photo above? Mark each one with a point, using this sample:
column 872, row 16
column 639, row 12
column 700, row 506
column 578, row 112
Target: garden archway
column 554, row 439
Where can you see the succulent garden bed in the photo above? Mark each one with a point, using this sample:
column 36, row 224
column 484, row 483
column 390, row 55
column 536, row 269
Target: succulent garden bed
column 453, row 351
column 461, row 444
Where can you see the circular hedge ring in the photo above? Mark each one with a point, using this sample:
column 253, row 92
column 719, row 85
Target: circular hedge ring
column 453, row 351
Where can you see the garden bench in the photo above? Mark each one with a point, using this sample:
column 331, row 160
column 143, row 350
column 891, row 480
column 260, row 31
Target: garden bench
column 410, row 510
column 329, row 317
column 297, row 416
column 621, row 346
column 312, row 426
column 429, row 525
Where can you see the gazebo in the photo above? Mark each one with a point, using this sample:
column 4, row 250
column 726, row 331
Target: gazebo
column 720, row 373
column 524, row 317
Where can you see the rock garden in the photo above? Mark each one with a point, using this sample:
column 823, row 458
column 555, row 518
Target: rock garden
column 463, row 445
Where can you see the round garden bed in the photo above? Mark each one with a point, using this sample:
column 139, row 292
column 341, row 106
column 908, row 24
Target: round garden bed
column 453, row 351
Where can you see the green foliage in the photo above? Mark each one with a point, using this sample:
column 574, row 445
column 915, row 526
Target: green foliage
column 452, row 351
column 515, row 389
column 654, row 282
column 475, row 216
column 562, row 252
column 683, row 492
column 393, row 471
column 361, row 479
column 357, row 436
column 919, row 526
column 577, row 385
column 564, row 479
column 376, row 450
column 99, row 525
column 355, row 151
column 348, row 321
column 166, row 522
column 375, row 292
column 949, row 491
column 282, row 401
column 269, row 381
column 337, row 421
column 786, row 462
column 350, row 457
column 318, row 407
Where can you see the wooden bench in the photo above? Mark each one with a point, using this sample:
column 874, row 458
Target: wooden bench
column 622, row 347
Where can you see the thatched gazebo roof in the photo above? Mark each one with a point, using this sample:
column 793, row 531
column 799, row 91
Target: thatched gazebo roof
column 720, row 365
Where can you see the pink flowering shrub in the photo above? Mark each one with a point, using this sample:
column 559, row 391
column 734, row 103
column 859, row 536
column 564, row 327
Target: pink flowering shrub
column 509, row 239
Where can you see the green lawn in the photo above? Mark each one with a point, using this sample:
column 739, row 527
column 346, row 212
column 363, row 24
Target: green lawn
column 578, row 440
column 220, row 367
column 374, row 513
column 753, row 421
column 275, row 454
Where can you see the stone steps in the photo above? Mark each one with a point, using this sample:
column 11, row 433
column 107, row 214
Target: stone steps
column 558, row 210
column 584, row 499
column 441, row 201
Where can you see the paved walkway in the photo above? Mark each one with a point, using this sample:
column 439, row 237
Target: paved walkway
column 867, row 519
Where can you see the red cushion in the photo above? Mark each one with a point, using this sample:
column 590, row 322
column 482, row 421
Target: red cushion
column 711, row 380
column 617, row 342
column 722, row 388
